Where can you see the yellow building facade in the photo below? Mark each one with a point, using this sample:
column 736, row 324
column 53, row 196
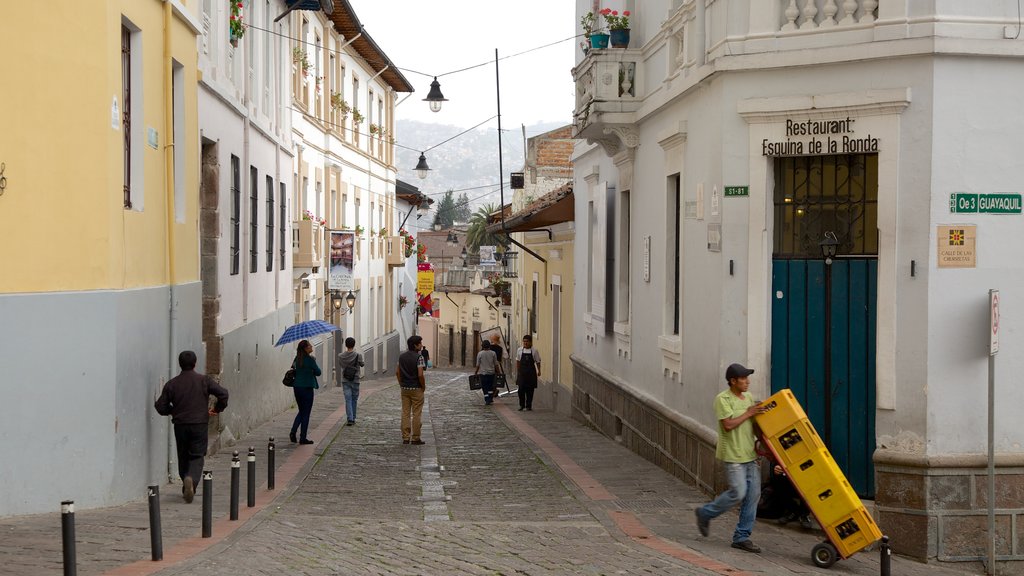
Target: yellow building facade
column 99, row 250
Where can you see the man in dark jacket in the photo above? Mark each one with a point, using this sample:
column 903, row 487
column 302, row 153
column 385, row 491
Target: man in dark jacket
column 186, row 398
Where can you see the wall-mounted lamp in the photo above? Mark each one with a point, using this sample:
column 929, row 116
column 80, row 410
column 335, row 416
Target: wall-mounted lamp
column 336, row 300
column 434, row 97
column 829, row 246
column 421, row 167
column 350, row 301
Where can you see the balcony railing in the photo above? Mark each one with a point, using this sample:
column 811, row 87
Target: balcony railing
column 607, row 92
column 307, row 244
column 396, row 251
column 811, row 14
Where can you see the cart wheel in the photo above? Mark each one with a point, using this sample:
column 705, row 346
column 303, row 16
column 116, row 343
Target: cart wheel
column 824, row 555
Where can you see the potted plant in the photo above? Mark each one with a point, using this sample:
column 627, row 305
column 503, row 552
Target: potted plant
column 383, row 232
column 339, row 104
column 236, row 26
column 596, row 36
column 374, row 129
column 587, row 22
column 359, row 231
column 618, row 27
column 357, row 116
column 301, row 60
column 319, row 80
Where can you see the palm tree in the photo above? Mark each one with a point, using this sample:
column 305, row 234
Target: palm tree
column 477, row 234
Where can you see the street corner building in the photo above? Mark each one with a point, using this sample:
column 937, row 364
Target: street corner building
column 826, row 192
column 100, row 286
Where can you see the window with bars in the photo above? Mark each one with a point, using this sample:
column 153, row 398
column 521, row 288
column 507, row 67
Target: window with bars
column 236, row 201
column 818, row 194
column 282, row 228
column 126, row 114
column 270, row 224
column 254, row 199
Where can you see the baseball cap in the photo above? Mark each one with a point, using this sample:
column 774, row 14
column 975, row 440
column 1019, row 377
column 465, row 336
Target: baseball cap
column 737, row 371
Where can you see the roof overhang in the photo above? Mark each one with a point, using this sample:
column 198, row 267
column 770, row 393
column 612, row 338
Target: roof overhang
column 555, row 207
column 347, row 24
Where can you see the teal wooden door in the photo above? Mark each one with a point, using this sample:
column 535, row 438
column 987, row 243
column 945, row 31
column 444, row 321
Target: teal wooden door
column 823, row 348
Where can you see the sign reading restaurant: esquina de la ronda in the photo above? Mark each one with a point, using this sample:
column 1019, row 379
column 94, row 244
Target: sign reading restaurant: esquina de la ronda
column 826, row 137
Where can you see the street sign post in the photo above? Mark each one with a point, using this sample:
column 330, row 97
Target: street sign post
column 993, row 349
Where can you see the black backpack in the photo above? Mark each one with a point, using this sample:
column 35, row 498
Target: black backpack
column 351, row 371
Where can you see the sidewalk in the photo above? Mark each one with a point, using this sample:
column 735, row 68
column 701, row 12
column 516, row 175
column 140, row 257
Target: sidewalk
column 493, row 491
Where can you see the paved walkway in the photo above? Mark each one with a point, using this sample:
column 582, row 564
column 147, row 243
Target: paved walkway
column 493, row 491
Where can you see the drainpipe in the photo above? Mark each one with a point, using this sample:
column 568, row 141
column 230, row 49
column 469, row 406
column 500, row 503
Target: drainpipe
column 169, row 268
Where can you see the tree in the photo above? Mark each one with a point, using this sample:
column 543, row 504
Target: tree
column 445, row 215
column 477, row 234
column 462, row 210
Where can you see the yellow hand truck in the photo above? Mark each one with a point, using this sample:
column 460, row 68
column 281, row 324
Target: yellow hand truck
column 797, row 448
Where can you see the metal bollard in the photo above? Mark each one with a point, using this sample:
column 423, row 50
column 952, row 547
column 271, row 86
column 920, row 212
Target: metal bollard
column 885, row 564
column 236, row 471
column 251, row 487
column 270, row 464
column 207, row 504
column 156, row 540
column 67, row 533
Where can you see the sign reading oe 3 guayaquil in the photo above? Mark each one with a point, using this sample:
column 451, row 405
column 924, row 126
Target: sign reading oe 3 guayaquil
column 966, row 203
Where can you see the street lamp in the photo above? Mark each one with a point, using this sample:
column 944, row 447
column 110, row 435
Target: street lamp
column 434, row 97
column 350, row 301
column 421, row 167
column 829, row 246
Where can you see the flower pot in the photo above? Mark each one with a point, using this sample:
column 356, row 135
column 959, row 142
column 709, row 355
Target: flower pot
column 598, row 41
column 620, row 38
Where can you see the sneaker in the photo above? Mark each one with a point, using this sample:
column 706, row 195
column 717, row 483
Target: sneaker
column 746, row 546
column 188, row 490
column 417, row 442
column 306, row 441
column 702, row 523
column 805, row 522
column 350, row 422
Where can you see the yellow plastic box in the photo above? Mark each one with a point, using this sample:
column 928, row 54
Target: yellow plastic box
column 805, row 459
column 853, row 532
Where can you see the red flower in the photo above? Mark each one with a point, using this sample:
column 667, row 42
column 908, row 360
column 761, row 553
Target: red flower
column 615, row 12
column 626, row 13
column 240, row 5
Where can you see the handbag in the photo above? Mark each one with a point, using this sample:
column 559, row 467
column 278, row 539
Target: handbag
column 289, row 378
column 474, row 382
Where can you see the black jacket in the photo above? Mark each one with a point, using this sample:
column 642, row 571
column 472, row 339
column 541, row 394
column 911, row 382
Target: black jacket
column 186, row 398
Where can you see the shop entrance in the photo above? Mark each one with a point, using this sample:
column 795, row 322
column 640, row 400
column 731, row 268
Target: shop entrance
column 823, row 314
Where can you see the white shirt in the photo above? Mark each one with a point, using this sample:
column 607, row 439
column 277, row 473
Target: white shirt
column 534, row 351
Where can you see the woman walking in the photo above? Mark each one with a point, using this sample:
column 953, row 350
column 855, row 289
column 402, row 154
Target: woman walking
column 527, row 372
column 306, row 372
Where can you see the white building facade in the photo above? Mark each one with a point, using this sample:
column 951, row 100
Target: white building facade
column 344, row 92
column 719, row 151
column 246, row 181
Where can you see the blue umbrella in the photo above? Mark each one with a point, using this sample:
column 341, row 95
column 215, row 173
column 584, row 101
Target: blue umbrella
column 304, row 330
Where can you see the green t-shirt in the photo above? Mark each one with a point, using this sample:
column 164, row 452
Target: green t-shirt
column 736, row 445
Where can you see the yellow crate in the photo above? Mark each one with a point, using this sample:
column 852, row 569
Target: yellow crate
column 832, row 503
column 781, row 410
column 853, row 532
column 816, row 471
column 796, row 442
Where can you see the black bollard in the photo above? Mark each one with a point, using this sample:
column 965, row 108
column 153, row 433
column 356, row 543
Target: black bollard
column 156, row 540
column 67, row 533
column 236, row 471
column 251, row 487
column 270, row 464
column 885, row 564
column 207, row 504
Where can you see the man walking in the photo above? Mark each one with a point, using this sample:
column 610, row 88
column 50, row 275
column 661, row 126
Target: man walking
column 186, row 398
column 350, row 362
column 409, row 374
column 734, row 409
column 486, row 366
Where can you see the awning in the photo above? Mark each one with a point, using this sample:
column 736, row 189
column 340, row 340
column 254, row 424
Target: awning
column 555, row 207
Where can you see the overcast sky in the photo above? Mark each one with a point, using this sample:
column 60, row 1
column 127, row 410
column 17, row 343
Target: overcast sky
column 438, row 37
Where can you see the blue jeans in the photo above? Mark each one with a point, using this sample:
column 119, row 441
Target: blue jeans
column 487, row 383
column 744, row 486
column 351, row 398
column 304, row 400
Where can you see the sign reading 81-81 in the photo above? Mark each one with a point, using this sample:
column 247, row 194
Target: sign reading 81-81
column 966, row 203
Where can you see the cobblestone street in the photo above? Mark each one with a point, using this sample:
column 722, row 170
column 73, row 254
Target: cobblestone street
column 493, row 491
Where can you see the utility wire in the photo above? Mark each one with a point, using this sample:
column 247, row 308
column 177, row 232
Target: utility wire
column 375, row 63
